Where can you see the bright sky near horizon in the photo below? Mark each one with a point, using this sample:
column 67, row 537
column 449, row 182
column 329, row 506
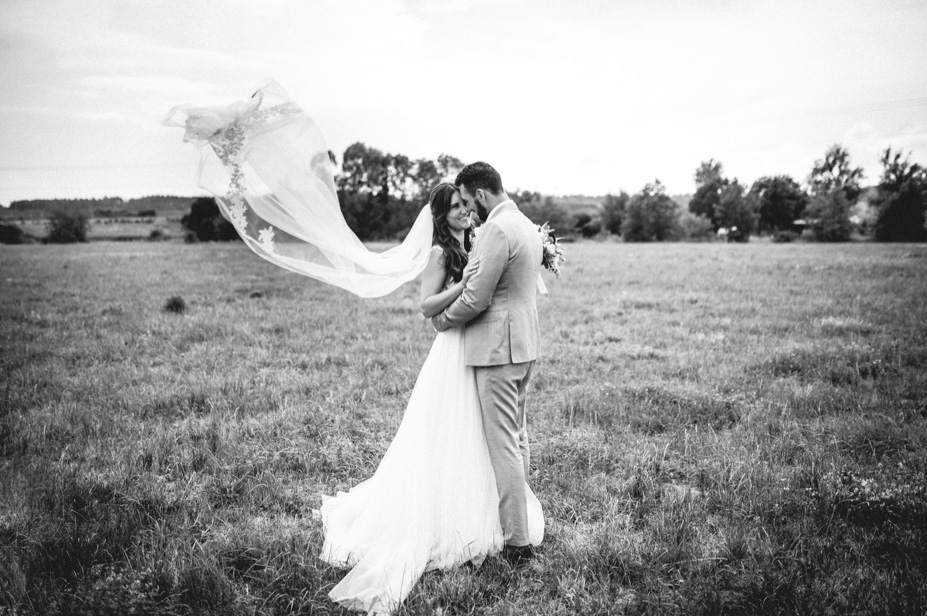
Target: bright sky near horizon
column 579, row 97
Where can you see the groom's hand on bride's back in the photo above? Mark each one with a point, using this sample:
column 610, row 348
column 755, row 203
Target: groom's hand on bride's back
column 468, row 271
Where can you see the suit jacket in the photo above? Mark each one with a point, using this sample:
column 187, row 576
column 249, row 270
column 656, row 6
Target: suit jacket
column 499, row 303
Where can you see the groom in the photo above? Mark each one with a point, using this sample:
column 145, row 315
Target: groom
column 502, row 337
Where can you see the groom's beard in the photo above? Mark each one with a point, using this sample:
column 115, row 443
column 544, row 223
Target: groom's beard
column 482, row 212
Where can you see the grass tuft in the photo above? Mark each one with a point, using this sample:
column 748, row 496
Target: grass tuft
column 175, row 304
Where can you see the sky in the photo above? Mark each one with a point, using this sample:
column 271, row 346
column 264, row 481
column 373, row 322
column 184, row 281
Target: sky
column 562, row 97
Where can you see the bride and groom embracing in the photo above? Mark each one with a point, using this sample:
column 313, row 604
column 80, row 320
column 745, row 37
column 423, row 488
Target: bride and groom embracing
column 452, row 486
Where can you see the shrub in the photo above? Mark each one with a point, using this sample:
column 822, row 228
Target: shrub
column 696, row 228
column 175, row 304
column 784, row 237
column 901, row 200
column 207, row 224
column 156, row 235
column 67, row 228
column 651, row 216
column 903, row 217
column 587, row 226
column 829, row 217
column 590, row 230
column 11, row 234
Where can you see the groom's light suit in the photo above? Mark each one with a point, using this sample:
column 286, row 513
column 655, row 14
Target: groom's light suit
column 502, row 339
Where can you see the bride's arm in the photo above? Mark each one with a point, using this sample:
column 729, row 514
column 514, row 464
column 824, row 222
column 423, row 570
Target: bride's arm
column 433, row 299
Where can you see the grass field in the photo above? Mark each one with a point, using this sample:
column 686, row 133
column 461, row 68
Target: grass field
column 716, row 429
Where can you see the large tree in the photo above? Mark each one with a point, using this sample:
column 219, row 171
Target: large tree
column 708, row 171
column 735, row 213
column 779, row 201
column 902, row 200
column 835, row 172
column 709, row 182
column 449, row 166
column 426, row 176
column 651, row 216
column 835, row 186
column 364, row 170
column 364, row 190
column 400, row 179
column 382, row 193
column 613, row 211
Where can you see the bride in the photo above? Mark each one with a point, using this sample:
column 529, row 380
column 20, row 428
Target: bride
column 432, row 502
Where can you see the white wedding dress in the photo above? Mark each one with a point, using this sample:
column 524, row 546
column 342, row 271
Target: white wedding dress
column 432, row 503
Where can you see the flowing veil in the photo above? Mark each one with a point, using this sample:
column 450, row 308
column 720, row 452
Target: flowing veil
column 273, row 178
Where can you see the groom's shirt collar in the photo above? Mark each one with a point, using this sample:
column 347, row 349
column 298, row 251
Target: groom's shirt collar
column 501, row 206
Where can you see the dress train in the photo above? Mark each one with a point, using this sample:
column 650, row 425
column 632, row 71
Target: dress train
column 432, row 502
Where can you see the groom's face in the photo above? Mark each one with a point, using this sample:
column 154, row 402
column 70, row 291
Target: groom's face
column 474, row 202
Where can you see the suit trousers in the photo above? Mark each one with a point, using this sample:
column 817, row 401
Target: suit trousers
column 503, row 390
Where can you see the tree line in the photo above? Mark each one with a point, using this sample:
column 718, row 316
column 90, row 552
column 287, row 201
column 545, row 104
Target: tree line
column 831, row 207
column 102, row 207
column 381, row 194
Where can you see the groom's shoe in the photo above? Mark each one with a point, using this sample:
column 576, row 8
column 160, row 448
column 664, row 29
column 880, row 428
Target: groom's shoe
column 517, row 555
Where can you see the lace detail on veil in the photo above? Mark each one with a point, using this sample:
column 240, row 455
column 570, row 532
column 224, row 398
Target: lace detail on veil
column 273, row 179
column 227, row 146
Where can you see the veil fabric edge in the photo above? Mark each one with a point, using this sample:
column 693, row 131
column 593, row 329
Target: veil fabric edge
column 269, row 168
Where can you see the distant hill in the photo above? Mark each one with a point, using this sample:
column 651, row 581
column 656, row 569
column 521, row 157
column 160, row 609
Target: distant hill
column 105, row 207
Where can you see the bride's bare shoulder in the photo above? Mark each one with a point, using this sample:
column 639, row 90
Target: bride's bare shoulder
column 434, row 277
column 435, row 266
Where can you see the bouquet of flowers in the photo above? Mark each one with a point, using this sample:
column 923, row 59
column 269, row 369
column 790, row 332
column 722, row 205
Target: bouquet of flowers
column 552, row 256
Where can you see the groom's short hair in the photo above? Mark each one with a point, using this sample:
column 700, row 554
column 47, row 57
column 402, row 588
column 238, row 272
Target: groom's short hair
column 479, row 175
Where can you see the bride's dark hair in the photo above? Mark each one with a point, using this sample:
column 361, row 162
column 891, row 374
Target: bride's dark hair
column 455, row 255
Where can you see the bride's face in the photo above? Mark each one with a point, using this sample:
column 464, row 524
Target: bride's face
column 458, row 217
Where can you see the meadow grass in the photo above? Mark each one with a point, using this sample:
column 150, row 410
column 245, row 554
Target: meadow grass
column 716, row 429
